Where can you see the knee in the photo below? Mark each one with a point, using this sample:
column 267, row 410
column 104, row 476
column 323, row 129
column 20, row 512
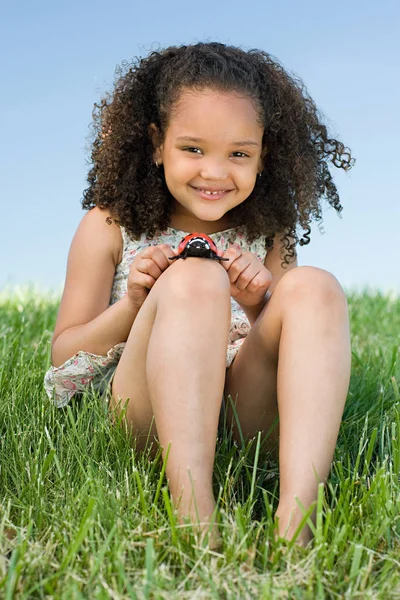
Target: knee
column 312, row 285
column 196, row 278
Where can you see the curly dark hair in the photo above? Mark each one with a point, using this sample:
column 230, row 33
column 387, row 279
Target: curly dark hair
column 125, row 180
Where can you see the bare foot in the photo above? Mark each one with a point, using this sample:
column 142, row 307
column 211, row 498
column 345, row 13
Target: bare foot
column 287, row 523
column 205, row 530
column 211, row 537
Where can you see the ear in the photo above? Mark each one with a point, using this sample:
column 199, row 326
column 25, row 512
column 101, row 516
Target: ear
column 155, row 137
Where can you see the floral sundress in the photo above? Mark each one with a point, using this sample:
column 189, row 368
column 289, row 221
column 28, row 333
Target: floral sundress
column 85, row 369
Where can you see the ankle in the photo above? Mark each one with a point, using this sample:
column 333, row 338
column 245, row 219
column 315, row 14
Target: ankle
column 202, row 523
column 195, row 503
column 197, row 511
column 288, row 521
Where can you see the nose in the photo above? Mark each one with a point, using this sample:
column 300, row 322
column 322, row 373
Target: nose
column 213, row 170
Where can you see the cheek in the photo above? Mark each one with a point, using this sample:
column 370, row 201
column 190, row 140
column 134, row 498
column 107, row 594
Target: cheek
column 248, row 178
column 177, row 178
column 187, row 173
column 177, row 169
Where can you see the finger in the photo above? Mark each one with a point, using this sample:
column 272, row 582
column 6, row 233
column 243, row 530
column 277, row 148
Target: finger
column 246, row 277
column 160, row 255
column 149, row 266
column 261, row 281
column 168, row 252
column 144, row 281
column 139, row 284
column 238, row 266
column 232, row 253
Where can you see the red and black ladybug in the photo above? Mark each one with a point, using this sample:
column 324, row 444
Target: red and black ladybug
column 197, row 244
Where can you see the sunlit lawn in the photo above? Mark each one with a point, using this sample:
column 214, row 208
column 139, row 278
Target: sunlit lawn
column 83, row 516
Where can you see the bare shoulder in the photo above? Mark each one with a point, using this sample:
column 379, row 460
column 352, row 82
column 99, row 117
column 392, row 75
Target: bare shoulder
column 97, row 226
column 95, row 252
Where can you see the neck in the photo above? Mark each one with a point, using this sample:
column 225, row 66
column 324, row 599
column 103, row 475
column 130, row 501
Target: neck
column 190, row 225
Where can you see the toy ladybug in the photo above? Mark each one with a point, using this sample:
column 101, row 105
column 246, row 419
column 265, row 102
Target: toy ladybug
column 197, row 244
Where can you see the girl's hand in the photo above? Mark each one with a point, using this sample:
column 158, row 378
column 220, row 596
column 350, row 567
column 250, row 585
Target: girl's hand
column 146, row 268
column 249, row 278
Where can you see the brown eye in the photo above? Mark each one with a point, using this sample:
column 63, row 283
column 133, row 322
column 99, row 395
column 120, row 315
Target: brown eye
column 190, row 150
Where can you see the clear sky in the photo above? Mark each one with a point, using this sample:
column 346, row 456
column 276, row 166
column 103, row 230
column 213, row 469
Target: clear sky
column 58, row 59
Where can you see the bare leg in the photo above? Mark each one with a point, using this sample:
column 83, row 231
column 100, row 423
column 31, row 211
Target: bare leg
column 173, row 367
column 313, row 380
column 186, row 375
column 296, row 360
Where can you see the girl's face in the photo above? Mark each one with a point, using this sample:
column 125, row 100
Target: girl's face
column 213, row 144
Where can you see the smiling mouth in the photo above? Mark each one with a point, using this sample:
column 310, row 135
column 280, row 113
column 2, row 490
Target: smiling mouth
column 211, row 194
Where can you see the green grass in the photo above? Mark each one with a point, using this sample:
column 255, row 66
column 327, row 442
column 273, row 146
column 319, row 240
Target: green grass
column 83, row 516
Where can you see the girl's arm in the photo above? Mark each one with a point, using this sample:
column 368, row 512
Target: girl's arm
column 85, row 320
column 272, row 262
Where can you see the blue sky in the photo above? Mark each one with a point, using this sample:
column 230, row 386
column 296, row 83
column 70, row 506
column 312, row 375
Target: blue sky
column 58, row 59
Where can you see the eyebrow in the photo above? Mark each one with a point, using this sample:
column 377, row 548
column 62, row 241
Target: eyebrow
column 200, row 140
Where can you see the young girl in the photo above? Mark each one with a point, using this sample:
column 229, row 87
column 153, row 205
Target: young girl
column 211, row 139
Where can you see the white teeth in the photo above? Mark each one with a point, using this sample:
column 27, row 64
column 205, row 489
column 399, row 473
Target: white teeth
column 211, row 193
